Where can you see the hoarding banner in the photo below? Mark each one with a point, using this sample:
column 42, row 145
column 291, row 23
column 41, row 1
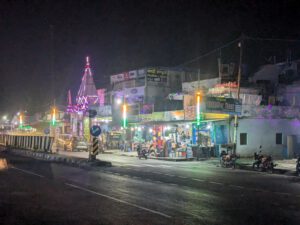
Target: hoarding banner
column 123, row 76
column 146, row 109
column 116, row 78
column 174, row 115
column 156, row 75
column 223, row 105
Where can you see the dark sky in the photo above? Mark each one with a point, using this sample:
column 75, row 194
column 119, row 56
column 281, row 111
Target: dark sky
column 118, row 36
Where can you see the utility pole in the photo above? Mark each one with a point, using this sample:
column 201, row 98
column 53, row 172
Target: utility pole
column 52, row 61
column 198, row 110
column 236, row 124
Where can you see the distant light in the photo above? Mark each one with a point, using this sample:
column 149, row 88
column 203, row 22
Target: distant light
column 132, row 129
column 208, row 126
column 119, row 101
column 187, row 126
column 4, row 117
column 139, row 129
column 150, row 130
column 18, row 113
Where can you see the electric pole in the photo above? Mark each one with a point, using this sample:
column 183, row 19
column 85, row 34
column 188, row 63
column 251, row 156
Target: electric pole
column 236, row 124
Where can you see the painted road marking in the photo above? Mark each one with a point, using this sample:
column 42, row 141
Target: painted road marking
column 28, row 172
column 212, row 182
column 197, row 179
column 118, row 200
column 170, row 175
column 167, row 166
column 157, row 172
column 236, row 186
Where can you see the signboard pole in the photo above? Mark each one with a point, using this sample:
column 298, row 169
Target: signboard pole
column 91, row 157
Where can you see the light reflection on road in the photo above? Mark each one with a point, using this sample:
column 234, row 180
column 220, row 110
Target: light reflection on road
column 3, row 164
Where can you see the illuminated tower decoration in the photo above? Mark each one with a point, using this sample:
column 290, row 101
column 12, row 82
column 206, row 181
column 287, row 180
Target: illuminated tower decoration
column 21, row 120
column 124, row 115
column 198, row 108
column 87, row 95
column 53, row 116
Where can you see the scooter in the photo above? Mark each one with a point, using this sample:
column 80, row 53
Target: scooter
column 228, row 160
column 264, row 163
column 298, row 166
column 142, row 153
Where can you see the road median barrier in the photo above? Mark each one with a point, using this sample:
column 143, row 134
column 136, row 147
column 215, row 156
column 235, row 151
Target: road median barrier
column 62, row 159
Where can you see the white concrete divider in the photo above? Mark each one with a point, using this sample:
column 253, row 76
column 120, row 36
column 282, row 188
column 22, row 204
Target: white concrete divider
column 39, row 143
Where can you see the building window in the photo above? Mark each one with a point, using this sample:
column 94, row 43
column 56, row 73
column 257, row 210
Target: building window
column 278, row 138
column 243, row 138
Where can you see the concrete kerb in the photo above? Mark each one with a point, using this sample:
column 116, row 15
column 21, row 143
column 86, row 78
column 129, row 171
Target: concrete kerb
column 71, row 161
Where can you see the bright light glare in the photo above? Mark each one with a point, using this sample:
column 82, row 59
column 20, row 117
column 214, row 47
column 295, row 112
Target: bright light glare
column 150, row 130
column 4, row 117
column 187, row 126
column 208, row 126
column 119, row 101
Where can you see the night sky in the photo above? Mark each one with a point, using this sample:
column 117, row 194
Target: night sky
column 124, row 35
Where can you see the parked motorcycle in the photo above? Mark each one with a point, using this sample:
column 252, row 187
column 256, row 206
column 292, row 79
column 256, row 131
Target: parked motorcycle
column 263, row 163
column 228, row 160
column 142, row 152
column 298, row 166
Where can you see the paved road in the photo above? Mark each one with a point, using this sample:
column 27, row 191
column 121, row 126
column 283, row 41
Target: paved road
column 143, row 192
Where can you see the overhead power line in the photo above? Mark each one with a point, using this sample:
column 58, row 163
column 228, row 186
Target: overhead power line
column 209, row 53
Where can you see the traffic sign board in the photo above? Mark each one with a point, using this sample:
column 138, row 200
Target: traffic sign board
column 95, row 130
column 92, row 113
column 47, row 130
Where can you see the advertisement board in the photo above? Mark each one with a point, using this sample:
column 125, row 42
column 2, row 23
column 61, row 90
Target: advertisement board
column 174, row 115
column 123, row 76
column 157, row 75
column 223, row 105
column 146, row 109
column 190, row 113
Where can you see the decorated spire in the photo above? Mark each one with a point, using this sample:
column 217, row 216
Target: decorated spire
column 87, row 94
column 87, row 65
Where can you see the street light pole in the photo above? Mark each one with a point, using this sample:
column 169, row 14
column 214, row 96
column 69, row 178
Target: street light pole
column 238, row 95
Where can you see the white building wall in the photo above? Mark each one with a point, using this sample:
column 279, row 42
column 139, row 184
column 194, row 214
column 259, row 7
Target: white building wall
column 263, row 132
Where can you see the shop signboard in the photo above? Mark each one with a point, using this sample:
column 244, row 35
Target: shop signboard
column 135, row 94
column 116, row 78
column 223, row 105
column 141, row 73
column 105, row 110
column 174, row 115
column 156, row 116
column 123, row 76
column 190, row 113
column 157, row 75
column 146, row 109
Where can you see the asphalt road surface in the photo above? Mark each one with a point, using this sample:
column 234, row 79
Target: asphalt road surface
column 146, row 192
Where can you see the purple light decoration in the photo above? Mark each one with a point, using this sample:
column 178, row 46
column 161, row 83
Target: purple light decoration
column 270, row 107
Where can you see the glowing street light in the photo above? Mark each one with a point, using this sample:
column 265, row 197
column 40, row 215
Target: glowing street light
column 124, row 116
column 198, row 109
column 4, row 117
column 119, row 101
column 53, row 116
column 21, row 120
